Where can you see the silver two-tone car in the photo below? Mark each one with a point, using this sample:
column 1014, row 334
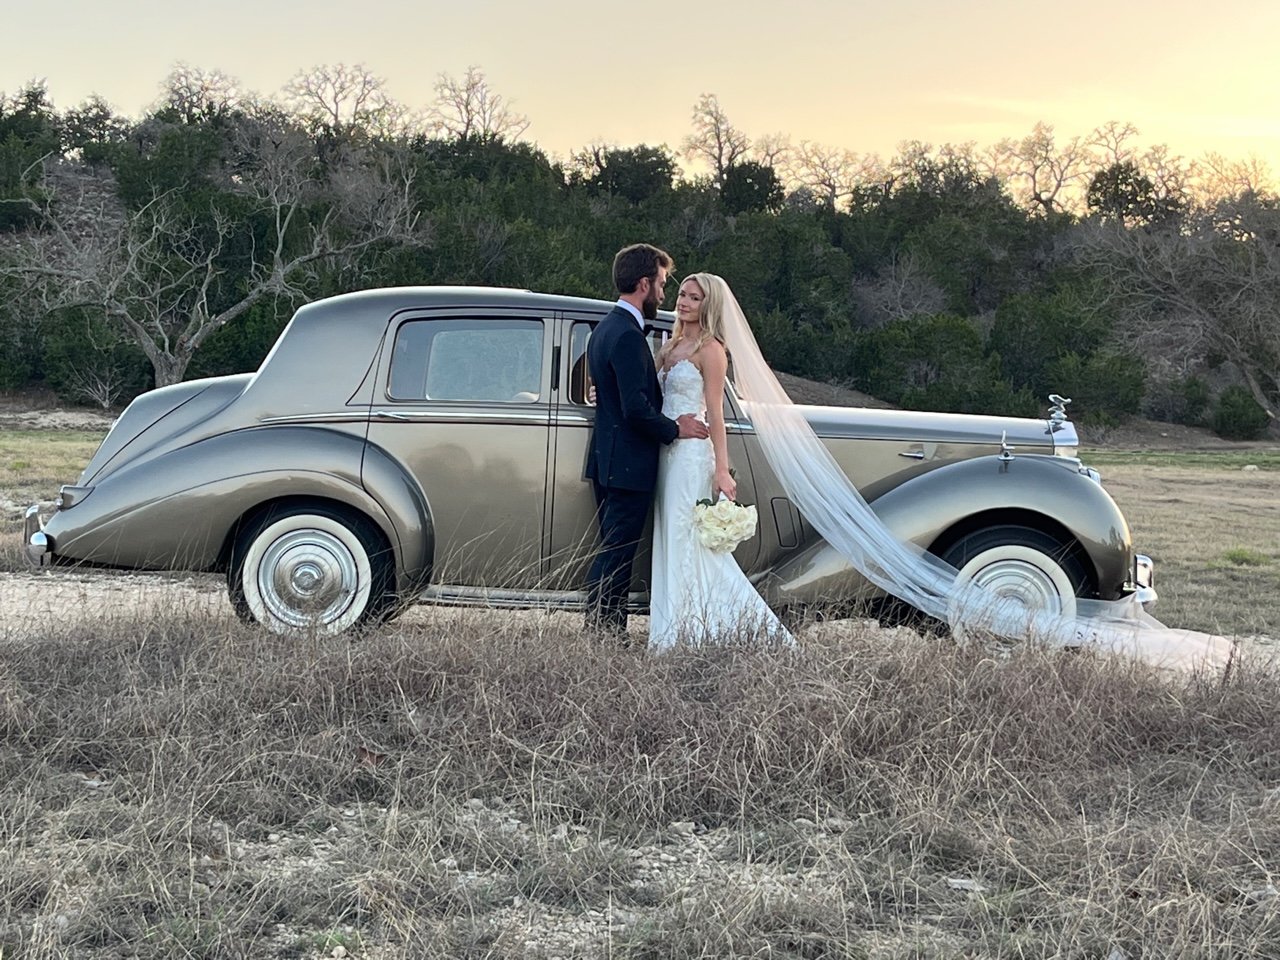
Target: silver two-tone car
column 429, row 444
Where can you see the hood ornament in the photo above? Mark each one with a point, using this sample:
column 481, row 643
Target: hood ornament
column 1006, row 448
column 1058, row 412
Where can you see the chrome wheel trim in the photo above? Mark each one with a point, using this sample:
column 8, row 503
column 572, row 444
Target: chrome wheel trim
column 307, row 572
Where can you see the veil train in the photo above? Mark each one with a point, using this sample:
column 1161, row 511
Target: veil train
column 830, row 502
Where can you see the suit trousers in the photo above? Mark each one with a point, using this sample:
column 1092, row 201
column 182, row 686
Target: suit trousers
column 622, row 514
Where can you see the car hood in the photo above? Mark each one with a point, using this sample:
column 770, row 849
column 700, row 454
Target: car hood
column 865, row 423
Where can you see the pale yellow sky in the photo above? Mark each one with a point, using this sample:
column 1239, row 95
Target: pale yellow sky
column 864, row 76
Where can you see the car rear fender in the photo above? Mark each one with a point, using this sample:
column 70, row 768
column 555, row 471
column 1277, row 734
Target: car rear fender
column 181, row 510
column 933, row 509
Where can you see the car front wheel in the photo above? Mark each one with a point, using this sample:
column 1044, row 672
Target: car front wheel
column 1026, row 565
column 309, row 567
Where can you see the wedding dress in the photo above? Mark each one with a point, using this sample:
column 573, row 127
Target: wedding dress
column 695, row 593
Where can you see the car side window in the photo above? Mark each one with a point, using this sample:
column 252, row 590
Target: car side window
column 482, row 359
column 580, row 375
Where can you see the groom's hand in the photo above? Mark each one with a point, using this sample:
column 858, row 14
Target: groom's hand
column 691, row 428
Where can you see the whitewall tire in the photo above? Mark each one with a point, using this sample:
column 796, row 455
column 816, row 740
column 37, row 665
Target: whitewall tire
column 1023, row 564
column 309, row 569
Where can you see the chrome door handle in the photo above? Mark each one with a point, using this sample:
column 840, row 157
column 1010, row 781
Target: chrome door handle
column 913, row 455
column 391, row 415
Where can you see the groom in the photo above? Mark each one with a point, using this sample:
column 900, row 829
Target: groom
column 623, row 459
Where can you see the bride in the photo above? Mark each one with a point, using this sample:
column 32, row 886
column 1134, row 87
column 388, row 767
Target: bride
column 696, row 592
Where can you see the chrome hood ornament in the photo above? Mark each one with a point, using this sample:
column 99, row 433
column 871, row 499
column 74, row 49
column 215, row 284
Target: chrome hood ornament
column 1058, row 411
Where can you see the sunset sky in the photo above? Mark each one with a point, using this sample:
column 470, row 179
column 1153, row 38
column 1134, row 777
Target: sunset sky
column 864, row 76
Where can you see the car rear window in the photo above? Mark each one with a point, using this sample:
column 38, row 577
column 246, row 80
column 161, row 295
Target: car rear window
column 488, row 360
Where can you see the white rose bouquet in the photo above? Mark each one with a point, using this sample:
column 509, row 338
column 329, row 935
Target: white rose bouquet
column 722, row 525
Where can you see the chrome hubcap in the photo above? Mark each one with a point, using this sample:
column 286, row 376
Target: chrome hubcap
column 307, row 577
column 1020, row 582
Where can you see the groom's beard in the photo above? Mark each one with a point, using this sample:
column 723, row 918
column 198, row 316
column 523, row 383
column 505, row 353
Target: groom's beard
column 649, row 309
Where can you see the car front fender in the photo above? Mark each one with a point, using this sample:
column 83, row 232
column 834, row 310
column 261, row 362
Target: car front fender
column 177, row 510
column 931, row 510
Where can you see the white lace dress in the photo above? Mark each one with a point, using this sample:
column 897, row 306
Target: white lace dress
column 695, row 594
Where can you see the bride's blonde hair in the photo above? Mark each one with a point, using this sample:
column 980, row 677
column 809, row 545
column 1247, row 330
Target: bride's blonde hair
column 710, row 311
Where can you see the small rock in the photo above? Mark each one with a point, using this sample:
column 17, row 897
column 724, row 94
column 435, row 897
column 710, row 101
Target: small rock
column 339, row 951
column 682, row 828
column 965, row 883
column 1250, row 467
column 349, row 812
column 804, row 823
column 837, row 824
column 475, row 803
column 1117, row 954
column 273, row 838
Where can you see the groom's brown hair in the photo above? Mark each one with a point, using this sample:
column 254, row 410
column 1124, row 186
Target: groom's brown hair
column 632, row 264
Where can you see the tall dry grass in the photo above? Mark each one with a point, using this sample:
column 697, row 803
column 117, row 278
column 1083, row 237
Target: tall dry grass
column 492, row 785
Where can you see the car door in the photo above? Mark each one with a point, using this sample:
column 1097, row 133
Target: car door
column 463, row 402
column 572, row 532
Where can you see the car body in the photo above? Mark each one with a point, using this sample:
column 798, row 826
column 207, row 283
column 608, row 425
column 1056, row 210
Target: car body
column 429, row 444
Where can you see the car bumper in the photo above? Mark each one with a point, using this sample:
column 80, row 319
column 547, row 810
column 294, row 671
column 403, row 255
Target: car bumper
column 35, row 542
column 1142, row 581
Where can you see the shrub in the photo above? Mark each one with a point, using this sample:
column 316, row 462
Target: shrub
column 86, row 361
column 1237, row 415
column 1180, row 400
column 1105, row 387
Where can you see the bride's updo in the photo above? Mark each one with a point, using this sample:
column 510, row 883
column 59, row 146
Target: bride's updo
column 711, row 312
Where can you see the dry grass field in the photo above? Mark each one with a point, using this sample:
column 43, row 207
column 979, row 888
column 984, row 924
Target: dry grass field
column 492, row 785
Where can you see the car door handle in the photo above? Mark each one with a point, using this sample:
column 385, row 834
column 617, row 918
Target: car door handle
column 913, row 454
column 391, row 415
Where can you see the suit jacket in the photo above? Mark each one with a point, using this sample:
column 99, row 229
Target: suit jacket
column 629, row 422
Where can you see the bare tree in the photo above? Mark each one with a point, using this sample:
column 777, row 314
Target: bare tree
column 159, row 274
column 1112, row 143
column 830, row 173
column 773, row 150
column 901, row 289
column 715, row 140
column 1041, row 172
column 470, row 108
column 345, row 99
column 1209, row 284
column 194, row 94
column 1218, row 178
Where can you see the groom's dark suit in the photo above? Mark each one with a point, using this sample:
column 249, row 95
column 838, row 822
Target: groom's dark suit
column 623, row 459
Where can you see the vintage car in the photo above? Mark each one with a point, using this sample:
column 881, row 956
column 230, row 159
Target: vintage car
column 428, row 444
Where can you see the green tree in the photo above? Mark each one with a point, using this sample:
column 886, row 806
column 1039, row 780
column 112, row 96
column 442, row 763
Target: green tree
column 636, row 174
column 751, row 187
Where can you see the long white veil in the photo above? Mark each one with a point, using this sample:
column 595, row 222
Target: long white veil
column 829, row 501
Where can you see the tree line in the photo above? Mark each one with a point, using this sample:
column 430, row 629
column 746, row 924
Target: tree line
column 137, row 252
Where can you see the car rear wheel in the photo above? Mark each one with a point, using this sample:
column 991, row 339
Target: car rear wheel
column 1029, row 566
column 310, row 567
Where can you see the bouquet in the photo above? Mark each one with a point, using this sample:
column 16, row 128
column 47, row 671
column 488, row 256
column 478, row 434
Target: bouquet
column 722, row 525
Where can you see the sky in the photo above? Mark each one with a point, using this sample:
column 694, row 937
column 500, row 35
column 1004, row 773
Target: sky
column 859, row 75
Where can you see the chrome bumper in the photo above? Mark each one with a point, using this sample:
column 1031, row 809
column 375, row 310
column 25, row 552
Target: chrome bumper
column 1143, row 582
column 35, row 541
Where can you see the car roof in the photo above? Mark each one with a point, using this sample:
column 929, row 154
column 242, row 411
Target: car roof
column 330, row 344
column 390, row 300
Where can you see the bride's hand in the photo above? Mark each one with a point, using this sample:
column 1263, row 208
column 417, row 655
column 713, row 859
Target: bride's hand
column 726, row 484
